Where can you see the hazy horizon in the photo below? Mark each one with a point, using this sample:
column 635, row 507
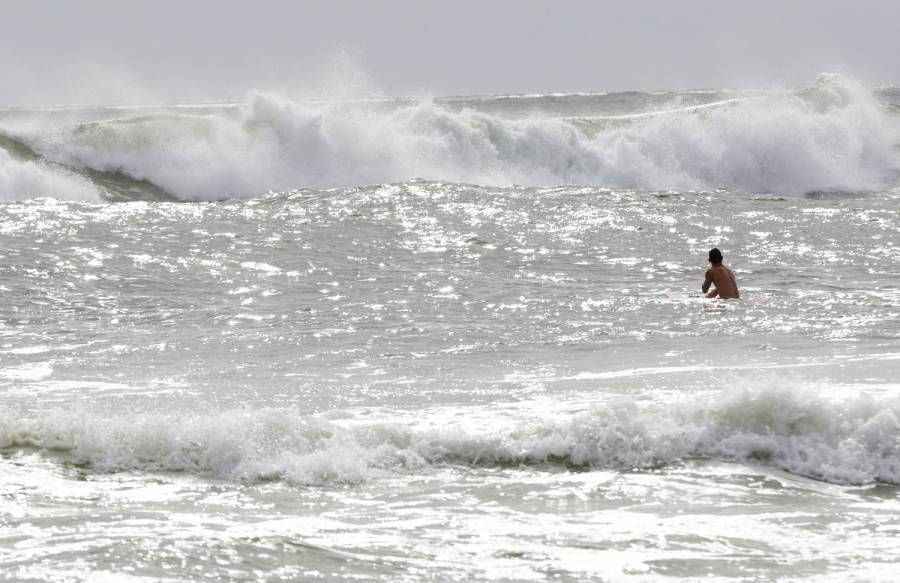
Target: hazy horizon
column 162, row 52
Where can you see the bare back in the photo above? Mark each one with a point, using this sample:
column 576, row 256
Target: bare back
column 723, row 280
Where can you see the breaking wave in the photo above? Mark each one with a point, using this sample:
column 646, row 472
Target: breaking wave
column 836, row 136
column 849, row 441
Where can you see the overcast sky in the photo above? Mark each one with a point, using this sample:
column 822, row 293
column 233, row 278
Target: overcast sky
column 105, row 51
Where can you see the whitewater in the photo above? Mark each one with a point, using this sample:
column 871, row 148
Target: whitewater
column 452, row 338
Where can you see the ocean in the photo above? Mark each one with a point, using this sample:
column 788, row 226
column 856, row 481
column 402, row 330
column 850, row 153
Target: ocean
column 452, row 339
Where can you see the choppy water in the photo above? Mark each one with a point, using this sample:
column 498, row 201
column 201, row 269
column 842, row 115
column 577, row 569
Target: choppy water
column 441, row 380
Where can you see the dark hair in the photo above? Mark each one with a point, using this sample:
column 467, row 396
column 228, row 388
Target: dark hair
column 715, row 256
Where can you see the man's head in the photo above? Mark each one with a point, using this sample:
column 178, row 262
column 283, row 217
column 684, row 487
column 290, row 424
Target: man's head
column 715, row 256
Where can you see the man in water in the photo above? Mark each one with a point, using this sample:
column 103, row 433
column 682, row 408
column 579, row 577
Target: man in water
column 721, row 277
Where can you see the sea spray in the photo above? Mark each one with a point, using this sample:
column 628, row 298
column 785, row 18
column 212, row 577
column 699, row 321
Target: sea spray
column 854, row 440
column 27, row 179
column 836, row 136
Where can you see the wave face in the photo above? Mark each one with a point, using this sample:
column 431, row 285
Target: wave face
column 836, row 136
column 850, row 441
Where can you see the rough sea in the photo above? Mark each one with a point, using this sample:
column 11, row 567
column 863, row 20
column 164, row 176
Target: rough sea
column 452, row 339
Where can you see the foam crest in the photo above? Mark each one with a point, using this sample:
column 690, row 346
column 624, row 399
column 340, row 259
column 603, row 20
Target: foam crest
column 848, row 441
column 26, row 179
column 835, row 136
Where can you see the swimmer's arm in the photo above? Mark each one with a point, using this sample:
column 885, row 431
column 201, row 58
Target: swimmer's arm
column 713, row 293
column 707, row 282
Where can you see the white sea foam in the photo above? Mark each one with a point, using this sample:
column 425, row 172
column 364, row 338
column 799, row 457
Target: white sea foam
column 25, row 179
column 836, row 136
column 853, row 440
